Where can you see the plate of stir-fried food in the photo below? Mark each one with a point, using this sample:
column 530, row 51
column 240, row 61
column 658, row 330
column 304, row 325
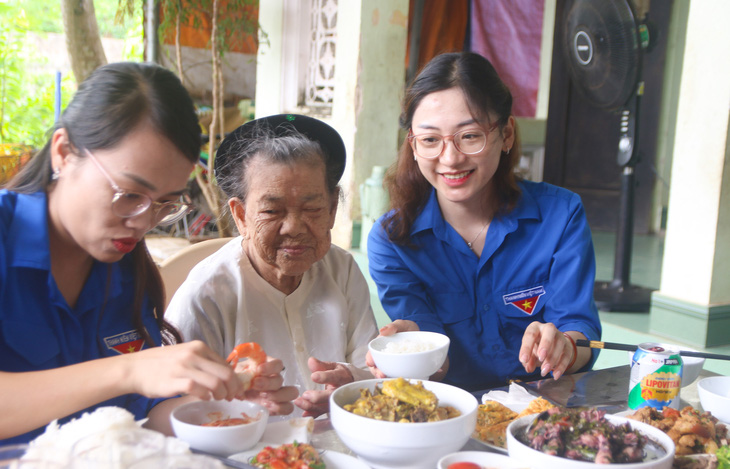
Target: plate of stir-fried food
column 578, row 438
column 401, row 422
column 493, row 418
column 693, row 431
column 398, row 400
column 697, row 435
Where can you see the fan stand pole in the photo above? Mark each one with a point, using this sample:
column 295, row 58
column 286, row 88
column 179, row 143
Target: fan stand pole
column 619, row 294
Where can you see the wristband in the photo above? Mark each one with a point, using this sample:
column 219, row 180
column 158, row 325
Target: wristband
column 575, row 351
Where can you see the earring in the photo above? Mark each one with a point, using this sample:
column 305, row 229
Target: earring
column 414, row 158
column 507, row 150
column 56, row 174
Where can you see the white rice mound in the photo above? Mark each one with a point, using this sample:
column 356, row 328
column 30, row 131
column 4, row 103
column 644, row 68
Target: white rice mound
column 57, row 441
column 408, row 346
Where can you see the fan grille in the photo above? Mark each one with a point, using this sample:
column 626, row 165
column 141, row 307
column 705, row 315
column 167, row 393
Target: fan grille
column 603, row 51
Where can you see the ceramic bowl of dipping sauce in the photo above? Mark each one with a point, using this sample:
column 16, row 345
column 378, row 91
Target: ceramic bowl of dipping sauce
column 220, row 427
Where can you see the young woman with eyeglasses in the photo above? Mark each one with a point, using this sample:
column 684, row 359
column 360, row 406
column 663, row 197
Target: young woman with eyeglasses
column 78, row 289
column 504, row 267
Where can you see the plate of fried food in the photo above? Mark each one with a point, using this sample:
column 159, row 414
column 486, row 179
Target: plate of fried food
column 493, row 418
column 697, row 435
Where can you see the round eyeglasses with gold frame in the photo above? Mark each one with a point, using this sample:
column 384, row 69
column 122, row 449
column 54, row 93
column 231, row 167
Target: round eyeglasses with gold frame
column 126, row 204
column 468, row 142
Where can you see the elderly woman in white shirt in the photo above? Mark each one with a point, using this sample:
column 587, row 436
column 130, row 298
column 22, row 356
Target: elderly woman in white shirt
column 281, row 283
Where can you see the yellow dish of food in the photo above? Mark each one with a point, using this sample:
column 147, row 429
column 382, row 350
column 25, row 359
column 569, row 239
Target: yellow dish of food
column 398, row 400
column 494, row 417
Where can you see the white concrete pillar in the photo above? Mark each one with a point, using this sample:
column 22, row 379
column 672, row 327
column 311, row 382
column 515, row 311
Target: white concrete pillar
column 269, row 65
column 370, row 76
column 693, row 302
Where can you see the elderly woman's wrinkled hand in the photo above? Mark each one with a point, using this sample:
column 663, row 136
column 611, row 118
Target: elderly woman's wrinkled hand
column 544, row 345
column 332, row 375
column 267, row 390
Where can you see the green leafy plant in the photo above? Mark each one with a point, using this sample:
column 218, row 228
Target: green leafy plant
column 134, row 42
column 229, row 20
column 27, row 94
column 723, row 457
column 27, row 89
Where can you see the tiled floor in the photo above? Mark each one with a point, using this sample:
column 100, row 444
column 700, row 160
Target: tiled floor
column 632, row 328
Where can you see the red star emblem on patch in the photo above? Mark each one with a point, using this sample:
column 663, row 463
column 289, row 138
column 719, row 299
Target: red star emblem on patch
column 126, row 342
column 525, row 300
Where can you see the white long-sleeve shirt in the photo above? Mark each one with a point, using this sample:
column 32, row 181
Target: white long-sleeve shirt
column 225, row 302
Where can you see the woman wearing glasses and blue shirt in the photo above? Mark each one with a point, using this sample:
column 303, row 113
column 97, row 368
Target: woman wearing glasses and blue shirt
column 81, row 300
column 504, row 267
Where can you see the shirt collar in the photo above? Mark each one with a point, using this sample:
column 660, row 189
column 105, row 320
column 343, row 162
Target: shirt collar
column 431, row 218
column 526, row 208
column 28, row 232
column 29, row 245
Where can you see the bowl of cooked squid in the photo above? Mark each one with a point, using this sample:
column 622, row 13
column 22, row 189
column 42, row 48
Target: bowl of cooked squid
column 402, row 423
column 220, row 427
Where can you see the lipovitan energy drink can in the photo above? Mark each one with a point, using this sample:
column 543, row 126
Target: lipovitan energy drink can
column 656, row 377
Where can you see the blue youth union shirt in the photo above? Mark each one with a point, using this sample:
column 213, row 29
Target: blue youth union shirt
column 537, row 264
column 38, row 329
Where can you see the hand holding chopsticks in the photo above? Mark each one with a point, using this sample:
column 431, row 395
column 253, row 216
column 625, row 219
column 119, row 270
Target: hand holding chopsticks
column 631, row 348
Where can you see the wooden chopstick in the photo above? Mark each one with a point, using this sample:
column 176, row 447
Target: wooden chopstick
column 605, row 345
column 631, row 348
column 716, row 356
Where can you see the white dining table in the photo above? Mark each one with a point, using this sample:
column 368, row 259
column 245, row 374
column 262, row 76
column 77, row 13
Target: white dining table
column 606, row 388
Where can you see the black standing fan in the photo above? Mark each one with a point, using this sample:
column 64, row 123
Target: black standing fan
column 604, row 45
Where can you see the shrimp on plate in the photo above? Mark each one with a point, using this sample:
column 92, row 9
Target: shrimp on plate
column 245, row 359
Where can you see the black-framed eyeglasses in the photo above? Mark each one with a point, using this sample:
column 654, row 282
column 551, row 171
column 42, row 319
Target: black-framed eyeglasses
column 126, row 204
column 468, row 142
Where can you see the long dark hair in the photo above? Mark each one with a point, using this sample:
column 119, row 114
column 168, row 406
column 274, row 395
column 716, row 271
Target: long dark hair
column 485, row 94
column 108, row 105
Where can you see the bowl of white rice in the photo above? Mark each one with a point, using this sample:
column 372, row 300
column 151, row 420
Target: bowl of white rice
column 412, row 355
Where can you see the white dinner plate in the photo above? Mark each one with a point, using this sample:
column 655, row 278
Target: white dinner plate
column 516, row 398
column 335, row 460
column 516, row 407
column 331, row 459
column 497, row 449
column 277, row 433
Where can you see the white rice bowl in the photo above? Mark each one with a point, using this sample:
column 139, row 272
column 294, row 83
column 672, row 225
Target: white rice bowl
column 413, row 354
